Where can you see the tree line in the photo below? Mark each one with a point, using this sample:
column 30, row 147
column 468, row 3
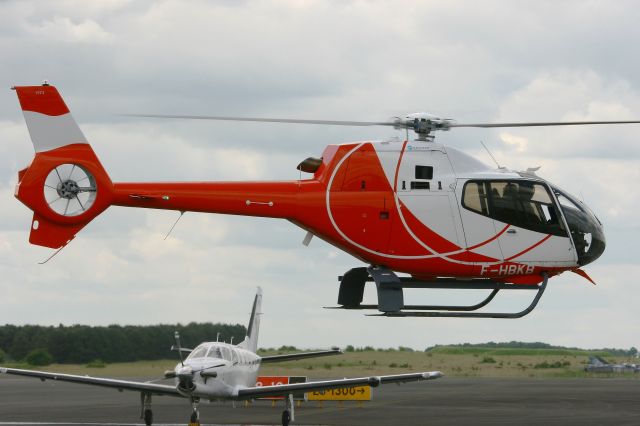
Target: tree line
column 535, row 345
column 114, row 343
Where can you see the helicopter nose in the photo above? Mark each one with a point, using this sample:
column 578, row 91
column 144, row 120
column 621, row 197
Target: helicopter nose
column 587, row 232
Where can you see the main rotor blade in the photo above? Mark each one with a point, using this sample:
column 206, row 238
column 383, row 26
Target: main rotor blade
column 541, row 124
column 267, row 120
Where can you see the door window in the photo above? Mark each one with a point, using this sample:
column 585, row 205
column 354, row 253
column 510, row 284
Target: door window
column 524, row 204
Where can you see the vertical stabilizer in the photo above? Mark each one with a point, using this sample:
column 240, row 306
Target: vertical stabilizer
column 65, row 185
column 48, row 118
column 250, row 341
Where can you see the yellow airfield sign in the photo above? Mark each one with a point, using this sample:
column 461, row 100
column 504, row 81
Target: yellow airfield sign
column 358, row 393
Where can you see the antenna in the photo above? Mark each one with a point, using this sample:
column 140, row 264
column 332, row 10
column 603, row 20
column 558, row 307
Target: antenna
column 491, row 155
column 218, row 336
column 51, row 257
column 174, row 224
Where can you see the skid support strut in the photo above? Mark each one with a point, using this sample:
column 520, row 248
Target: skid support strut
column 391, row 300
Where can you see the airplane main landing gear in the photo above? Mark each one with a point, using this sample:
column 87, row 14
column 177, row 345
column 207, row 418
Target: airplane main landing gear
column 148, row 417
column 286, row 418
column 287, row 414
column 145, row 404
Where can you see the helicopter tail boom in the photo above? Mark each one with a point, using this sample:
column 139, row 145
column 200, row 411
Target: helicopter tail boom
column 66, row 186
column 262, row 199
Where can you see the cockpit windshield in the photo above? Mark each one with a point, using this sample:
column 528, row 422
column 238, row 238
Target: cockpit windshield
column 586, row 229
column 198, row 352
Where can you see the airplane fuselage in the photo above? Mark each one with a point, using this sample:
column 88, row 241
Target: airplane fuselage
column 217, row 370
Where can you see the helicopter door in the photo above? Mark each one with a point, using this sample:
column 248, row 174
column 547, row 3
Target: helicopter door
column 480, row 230
column 536, row 232
column 425, row 174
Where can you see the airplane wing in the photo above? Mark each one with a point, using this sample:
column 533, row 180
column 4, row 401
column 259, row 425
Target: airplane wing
column 374, row 381
column 152, row 388
column 302, row 355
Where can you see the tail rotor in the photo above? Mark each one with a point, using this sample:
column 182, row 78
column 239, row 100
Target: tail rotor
column 70, row 189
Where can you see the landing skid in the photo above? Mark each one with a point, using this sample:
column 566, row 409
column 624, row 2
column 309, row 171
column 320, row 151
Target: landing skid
column 391, row 299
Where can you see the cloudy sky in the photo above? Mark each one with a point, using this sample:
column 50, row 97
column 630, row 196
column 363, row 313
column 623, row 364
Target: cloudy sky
column 494, row 61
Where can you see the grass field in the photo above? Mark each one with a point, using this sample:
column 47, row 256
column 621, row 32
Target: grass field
column 453, row 361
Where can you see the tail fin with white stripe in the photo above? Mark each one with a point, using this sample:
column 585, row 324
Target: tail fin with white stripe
column 65, row 185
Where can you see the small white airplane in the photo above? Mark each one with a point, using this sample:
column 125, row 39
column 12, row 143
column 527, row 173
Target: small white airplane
column 219, row 371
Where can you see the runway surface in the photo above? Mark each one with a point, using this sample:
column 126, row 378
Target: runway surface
column 448, row 401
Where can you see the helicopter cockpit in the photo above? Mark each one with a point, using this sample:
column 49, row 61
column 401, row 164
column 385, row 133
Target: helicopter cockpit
column 530, row 205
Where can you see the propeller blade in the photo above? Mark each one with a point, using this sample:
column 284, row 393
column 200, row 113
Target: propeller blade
column 541, row 124
column 177, row 337
column 267, row 120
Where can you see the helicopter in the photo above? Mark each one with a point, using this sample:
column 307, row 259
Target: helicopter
column 413, row 207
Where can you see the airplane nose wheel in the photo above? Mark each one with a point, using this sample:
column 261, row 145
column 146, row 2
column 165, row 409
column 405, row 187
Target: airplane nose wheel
column 194, row 420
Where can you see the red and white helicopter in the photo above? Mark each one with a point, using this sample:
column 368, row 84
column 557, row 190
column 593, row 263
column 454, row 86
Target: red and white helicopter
column 415, row 207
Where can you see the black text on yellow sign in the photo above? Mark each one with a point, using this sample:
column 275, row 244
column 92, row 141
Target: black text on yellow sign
column 358, row 393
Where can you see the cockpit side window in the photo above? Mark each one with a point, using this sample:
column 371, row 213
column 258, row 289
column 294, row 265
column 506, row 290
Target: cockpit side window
column 521, row 203
column 475, row 198
column 226, row 355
